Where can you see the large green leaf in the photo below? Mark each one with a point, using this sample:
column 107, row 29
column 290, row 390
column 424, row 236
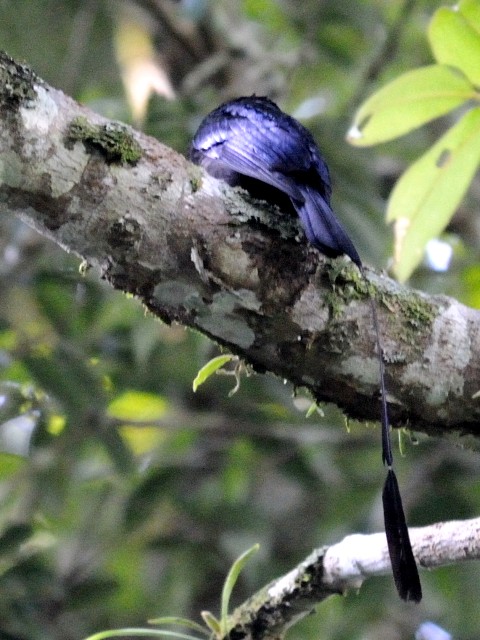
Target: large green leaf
column 470, row 10
column 426, row 196
column 406, row 103
column 456, row 41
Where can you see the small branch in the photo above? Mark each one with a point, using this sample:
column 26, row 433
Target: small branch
column 210, row 257
column 343, row 566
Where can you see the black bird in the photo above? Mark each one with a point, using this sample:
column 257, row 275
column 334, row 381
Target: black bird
column 252, row 137
column 251, row 140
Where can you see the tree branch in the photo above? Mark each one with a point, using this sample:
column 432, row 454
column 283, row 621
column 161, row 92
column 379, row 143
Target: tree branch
column 342, row 566
column 200, row 253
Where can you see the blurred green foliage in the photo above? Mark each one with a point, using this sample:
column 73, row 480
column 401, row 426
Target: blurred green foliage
column 427, row 195
column 124, row 495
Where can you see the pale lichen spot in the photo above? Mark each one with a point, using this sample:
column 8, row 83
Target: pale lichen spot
column 38, row 115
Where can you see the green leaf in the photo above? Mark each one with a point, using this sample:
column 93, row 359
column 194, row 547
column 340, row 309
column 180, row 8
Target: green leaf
column 426, row 196
column 229, row 584
column 470, row 10
column 456, row 42
column 470, row 285
column 181, row 622
column 10, row 463
column 143, row 439
column 151, row 633
column 314, row 408
column 137, row 406
column 406, row 103
column 209, row 369
column 212, row 623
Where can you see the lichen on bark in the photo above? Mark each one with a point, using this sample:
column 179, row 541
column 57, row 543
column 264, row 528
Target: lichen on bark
column 112, row 140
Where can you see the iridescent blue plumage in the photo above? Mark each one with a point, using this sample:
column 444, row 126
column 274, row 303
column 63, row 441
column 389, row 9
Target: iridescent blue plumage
column 253, row 137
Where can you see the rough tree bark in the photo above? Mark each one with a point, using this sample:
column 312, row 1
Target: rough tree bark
column 195, row 251
column 342, row 566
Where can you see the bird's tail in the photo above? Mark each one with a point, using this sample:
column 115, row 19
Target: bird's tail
column 324, row 231
column 404, row 568
column 321, row 226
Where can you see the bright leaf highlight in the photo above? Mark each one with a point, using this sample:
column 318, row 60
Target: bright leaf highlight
column 408, row 102
column 425, row 198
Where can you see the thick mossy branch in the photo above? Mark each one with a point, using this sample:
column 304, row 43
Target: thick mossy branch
column 213, row 258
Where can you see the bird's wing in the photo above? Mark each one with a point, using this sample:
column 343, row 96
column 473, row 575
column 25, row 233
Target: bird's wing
column 261, row 149
column 280, row 152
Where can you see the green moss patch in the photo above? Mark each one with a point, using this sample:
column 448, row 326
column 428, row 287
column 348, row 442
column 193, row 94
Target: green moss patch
column 112, row 140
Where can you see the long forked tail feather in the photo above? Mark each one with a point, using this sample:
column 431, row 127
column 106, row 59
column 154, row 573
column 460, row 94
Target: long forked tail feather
column 325, row 232
column 404, row 567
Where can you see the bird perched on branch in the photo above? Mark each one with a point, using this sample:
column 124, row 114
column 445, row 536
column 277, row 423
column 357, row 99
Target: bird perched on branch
column 251, row 139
